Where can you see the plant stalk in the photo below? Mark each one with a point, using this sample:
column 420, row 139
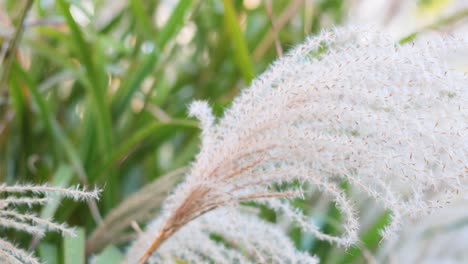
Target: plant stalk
column 10, row 55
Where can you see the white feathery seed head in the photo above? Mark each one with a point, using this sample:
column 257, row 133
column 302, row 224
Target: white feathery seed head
column 246, row 239
column 438, row 238
column 29, row 222
column 401, row 18
column 347, row 105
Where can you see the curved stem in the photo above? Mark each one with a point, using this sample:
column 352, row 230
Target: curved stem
column 156, row 243
column 13, row 46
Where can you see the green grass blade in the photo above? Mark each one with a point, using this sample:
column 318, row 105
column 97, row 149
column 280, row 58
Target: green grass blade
column 48, row 253
column 109, row 255
column 74, row 248
column 17, row 96
column 241, row 54
column 128, row 145
column 52, row 126
column 132, row 83
column 62, row 178
column 96, row 85
column 137, row 75
column 174, row 24
column 59, row 60
column 143, row 22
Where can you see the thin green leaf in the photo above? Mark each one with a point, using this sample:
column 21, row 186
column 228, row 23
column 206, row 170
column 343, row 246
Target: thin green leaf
column 174, row 24
column 96, row 75
column 51, row 124
column 136, row 76
column 74, row 248
column 48, row 253
column 127, row 146
column 241, row 54
column 143, row 22
column 62, row 178
column 109, row 255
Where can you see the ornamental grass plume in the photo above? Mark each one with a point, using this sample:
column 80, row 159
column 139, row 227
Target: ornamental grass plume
column 402, row 18
column 348, row 105
column 246, row 239
column 438, row 238
column 11, row 217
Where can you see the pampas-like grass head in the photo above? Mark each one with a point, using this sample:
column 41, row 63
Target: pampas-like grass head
column 347, row 105
column 12, row 218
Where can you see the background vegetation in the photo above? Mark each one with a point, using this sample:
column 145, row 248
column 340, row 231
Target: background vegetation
column 95, row 92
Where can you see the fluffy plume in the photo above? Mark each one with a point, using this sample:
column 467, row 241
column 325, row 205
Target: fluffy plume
column 246, row 239
column 29, row 222
column 348, row 105
column 401, row 18
column 438, row 238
